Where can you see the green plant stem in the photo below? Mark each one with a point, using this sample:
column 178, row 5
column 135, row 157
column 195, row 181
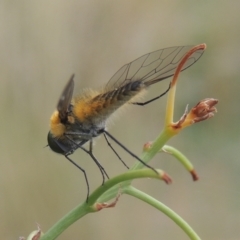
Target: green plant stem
column 179, row 156
column 163, row 208
column 119, row 181
column 160, row 141
column 89, row 207
column 66, row 221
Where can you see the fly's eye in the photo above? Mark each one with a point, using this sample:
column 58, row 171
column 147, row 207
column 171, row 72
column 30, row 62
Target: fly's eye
column 54, row 145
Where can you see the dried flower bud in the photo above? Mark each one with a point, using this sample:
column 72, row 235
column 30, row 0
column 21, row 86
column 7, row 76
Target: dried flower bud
column 204, row 110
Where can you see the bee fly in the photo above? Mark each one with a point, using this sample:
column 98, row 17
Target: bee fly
column 78, row 120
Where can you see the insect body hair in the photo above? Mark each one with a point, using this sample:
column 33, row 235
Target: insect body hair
column 98, row 106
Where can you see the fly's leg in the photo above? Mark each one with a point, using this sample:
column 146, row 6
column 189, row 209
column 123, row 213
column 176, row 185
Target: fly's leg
column 127, row 150
column 153, row 99
column 84, row 172
column 90, row 153
column 109, row 144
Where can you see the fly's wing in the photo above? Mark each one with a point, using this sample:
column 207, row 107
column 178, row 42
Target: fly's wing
column 65, row 99
column 157, row 65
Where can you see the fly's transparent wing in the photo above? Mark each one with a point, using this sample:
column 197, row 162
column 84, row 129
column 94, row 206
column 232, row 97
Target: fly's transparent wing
column 65, row 99
column 157, row 65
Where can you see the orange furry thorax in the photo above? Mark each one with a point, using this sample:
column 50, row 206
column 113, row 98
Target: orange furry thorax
column 84, row 108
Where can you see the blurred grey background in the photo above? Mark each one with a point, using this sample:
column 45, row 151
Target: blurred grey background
column 43, row 42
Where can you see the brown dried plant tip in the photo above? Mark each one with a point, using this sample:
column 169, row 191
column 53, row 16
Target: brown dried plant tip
column 100, row 206
column 194, row 175
column 147, row 146
column 35, row 235
column 166, row 178
column 204, row 110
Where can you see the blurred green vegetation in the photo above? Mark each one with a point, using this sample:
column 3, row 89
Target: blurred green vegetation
column 43, row 42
